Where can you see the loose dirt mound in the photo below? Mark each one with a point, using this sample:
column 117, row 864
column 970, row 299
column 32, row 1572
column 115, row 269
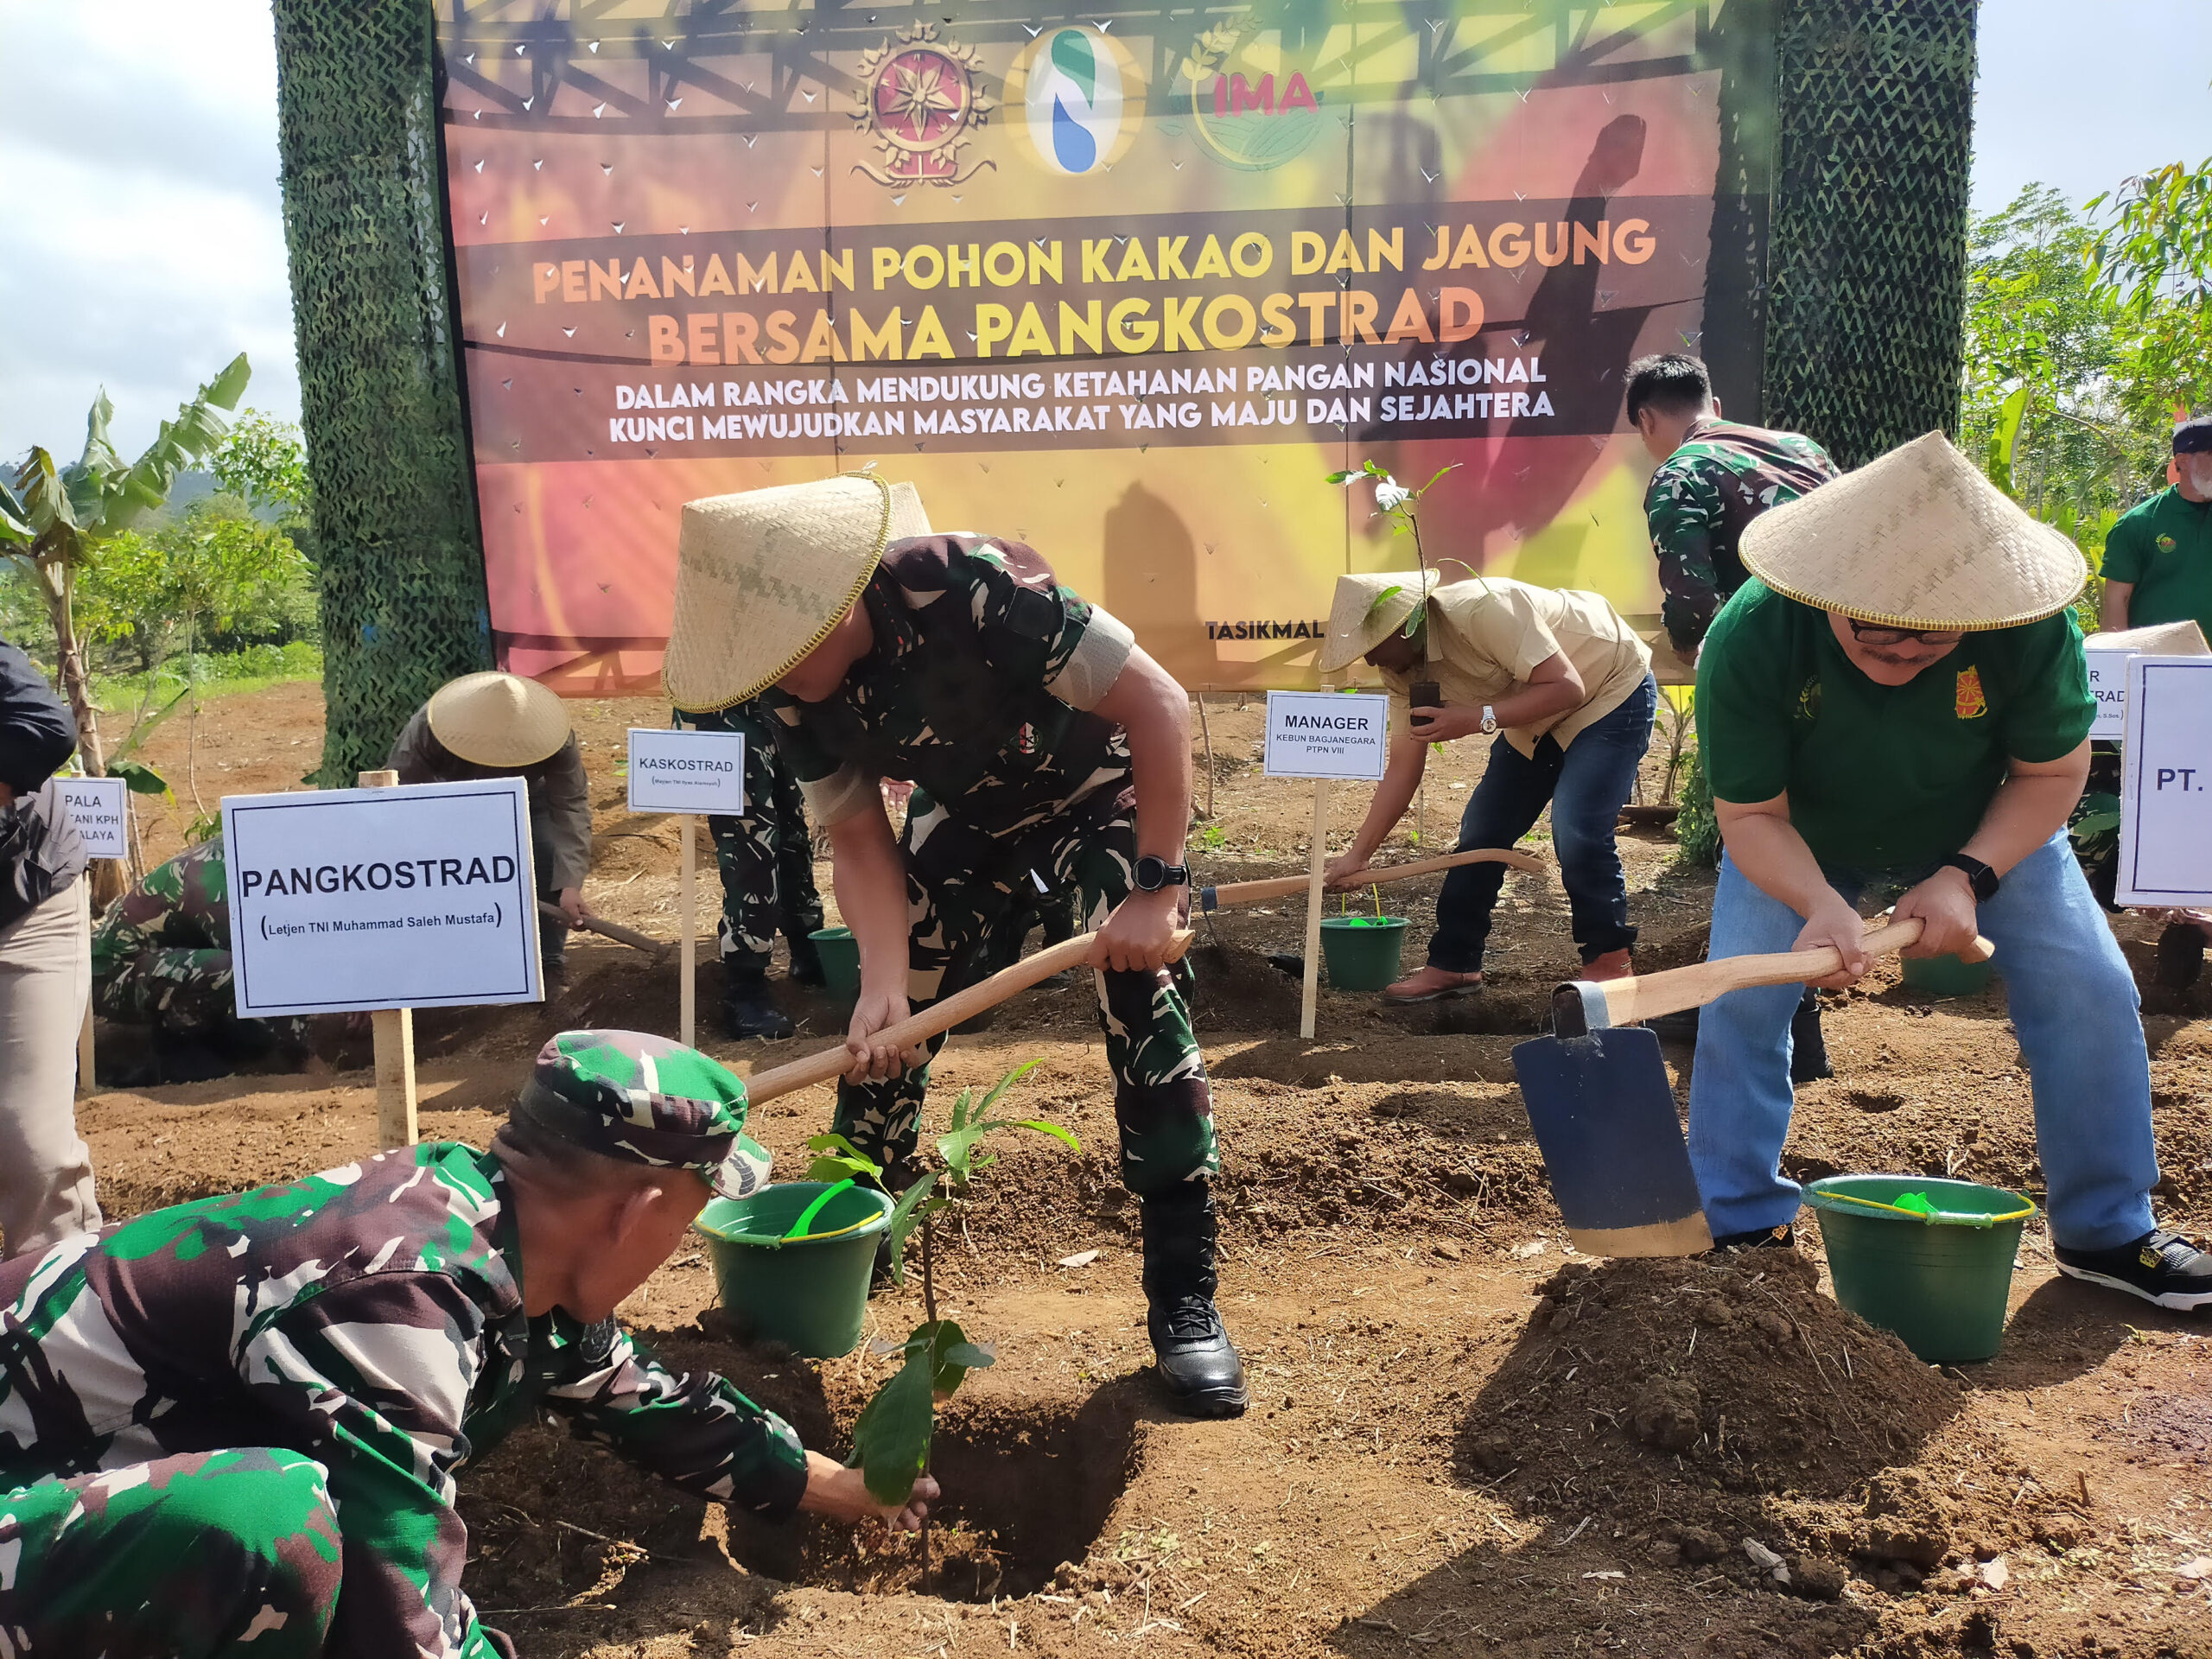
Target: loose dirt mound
column 1735, row 1372
column 1682, row 1398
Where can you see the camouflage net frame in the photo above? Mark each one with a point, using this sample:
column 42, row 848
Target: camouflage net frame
column 404, row 602
column 1863, row 299
column 1866, row 249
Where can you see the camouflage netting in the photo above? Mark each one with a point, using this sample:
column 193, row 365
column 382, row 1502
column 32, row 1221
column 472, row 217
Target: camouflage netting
column 1867, row 241
column 1864, row 298
column 403, row 570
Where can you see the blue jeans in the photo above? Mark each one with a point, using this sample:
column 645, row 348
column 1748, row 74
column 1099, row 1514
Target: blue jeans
column 2073, row 1004
column 1586, row 785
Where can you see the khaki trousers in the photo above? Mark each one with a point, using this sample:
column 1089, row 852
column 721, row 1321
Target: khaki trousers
column 46, row 1171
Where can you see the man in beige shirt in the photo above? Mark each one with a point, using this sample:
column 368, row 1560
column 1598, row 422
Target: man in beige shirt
column 1565, row 686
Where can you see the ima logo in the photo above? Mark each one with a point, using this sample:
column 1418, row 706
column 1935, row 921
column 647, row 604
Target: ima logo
column 1252, row 109
column 1082, row 98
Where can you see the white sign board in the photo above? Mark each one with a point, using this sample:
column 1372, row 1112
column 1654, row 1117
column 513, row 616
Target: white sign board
column 1327, row 735
column 101, row 808
column 2165, row 829
column 2109, row 685
column 344, row 899
column 675, row 771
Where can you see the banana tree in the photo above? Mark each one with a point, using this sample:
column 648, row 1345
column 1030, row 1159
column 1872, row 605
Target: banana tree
column 55, row 519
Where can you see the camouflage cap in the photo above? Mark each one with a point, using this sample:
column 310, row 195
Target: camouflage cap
column 643, row 1099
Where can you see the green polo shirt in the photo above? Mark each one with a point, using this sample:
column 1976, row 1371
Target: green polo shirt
column 1879, row 777
column 2164, row 547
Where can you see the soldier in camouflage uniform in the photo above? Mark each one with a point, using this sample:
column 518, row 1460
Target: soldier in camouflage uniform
column 766, row 862
column 1715, row 477
column 161, row 959
column 232, row 1427
column 1039, row 738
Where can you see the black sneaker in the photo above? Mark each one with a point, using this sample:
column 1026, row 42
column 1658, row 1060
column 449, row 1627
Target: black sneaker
column 1783, row 1237
column 2163, row 1268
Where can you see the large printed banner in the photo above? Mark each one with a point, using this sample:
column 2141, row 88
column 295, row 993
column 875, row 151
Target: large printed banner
column 1124, row 287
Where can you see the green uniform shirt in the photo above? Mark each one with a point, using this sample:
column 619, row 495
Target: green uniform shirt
column 1880, row 777
column 2163, row 546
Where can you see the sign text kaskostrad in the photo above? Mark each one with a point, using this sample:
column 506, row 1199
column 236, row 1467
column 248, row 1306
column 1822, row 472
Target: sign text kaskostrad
column 362, row 898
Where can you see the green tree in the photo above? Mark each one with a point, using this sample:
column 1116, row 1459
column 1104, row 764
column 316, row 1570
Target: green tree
column 2154, row 259
column 58, row 520
column 264, row 463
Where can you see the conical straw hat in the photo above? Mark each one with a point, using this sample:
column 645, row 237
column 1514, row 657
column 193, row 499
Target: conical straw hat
column 762, row 576
column 1360, row 617
column 499, row 720
column 1918, row 538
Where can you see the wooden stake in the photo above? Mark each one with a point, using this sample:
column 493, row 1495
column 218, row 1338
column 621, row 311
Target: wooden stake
column 687, row 1001
column 394, row 1043
column 85, row 1084
column 1313, row 897
column 1206, row 731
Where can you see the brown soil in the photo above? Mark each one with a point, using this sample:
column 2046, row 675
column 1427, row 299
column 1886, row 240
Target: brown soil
column 1462, row 1439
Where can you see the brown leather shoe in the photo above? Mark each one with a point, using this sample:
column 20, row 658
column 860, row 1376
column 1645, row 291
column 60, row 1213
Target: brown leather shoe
column 1432, row 985
column 1614, row 964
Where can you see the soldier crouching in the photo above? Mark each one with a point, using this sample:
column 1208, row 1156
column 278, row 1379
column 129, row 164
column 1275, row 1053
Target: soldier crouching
column 232, row 1427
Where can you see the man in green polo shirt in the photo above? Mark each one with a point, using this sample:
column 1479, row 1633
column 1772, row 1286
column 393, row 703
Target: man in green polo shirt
column 2158, row 564
column 1898, row 701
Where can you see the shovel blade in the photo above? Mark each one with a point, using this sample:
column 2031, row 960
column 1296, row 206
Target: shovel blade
column 1604, row 1121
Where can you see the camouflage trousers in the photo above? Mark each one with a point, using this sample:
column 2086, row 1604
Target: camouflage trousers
column 766, row 858
column 963, row 884
column 187, row 993
column 230, row 1553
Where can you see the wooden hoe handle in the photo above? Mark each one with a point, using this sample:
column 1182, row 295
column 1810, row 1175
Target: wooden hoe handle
column 941, row 1016
column 1645, row 996
column 614, row 931
column 1281, row 887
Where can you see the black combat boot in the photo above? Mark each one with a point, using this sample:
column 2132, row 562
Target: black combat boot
column 806, row 961
column 748, row 1011
column 1198, row 1363
column 1809, row 1049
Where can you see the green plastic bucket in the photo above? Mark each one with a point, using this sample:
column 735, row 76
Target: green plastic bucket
column 1946, row 975
column 1939, row 1281
column 1361, row 952
column 809, row 1292
column 841, row 960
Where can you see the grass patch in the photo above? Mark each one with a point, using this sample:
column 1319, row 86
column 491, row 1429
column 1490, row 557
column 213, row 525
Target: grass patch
column 233, row 671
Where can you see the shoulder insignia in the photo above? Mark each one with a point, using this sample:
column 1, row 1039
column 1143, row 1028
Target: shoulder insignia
column 1970, row 704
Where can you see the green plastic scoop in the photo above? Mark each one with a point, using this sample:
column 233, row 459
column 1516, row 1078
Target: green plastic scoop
column 1918, row 1206
column 806, row 1216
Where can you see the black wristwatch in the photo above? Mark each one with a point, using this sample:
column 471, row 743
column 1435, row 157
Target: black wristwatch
column 1153, row 873
column 1980, row 876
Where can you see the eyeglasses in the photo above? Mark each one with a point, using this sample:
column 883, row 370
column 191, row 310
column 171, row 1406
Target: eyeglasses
column 1868, row 633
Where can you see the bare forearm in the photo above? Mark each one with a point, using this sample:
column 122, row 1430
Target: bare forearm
column 1526, row 704
column 869, row 878
column 1154, row 713
column 1408, row 759
column 1771, row 853
column 2114, row 613
column 2026, row 811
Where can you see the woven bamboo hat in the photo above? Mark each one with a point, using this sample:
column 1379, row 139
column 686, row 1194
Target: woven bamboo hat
column 763, row 575
column 1367, row 610
column 499, row 720
column 1918, row 538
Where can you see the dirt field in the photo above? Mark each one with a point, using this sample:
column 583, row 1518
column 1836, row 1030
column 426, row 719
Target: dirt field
column 1463, row 1439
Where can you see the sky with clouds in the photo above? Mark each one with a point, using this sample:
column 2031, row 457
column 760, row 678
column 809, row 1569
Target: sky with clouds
column 146, row 249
